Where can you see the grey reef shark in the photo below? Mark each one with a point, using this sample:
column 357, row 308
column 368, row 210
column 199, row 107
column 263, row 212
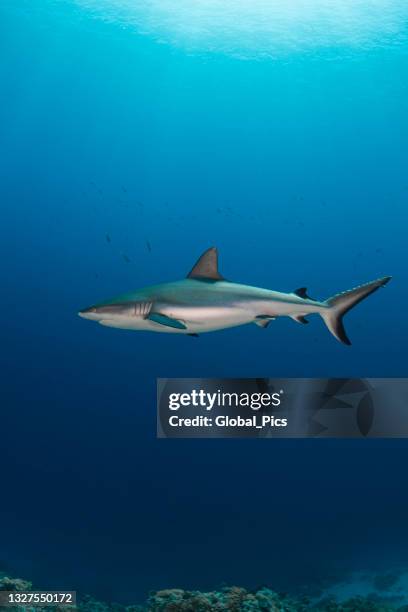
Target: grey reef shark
column 205, row 301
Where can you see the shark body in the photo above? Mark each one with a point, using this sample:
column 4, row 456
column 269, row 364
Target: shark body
column 205, row 301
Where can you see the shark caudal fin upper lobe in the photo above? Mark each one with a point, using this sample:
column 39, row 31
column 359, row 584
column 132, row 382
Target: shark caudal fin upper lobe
column 342, row 302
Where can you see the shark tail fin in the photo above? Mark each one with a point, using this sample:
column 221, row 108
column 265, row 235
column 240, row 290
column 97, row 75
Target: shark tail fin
column 341, row 303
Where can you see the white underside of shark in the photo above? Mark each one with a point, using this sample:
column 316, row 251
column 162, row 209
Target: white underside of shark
column 205, row 302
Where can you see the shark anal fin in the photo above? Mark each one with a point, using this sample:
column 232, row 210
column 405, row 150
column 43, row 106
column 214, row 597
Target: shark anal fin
column 206, row 267
column 302, row 293
column 300, row 319
column 157, row 317
column 263, row 320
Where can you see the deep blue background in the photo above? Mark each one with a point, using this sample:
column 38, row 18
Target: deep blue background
column 296, row 170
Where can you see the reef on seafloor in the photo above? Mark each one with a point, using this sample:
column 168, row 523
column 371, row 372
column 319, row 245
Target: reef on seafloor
column 228, row 599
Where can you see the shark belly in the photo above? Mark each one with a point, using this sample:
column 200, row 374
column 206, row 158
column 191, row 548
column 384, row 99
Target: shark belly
column 197, row 319
column 205, row 318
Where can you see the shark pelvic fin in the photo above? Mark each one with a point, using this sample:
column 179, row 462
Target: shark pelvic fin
column 206, row 267
column 157, row 317
column 263, row 320
column 262, row 323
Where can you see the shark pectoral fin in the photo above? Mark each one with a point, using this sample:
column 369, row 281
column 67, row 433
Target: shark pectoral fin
column 263, row 320
column 300, row 319
column 157, row 317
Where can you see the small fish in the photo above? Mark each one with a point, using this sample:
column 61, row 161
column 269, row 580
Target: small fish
column 126, row 258
column 108, row 238
column 149, row 246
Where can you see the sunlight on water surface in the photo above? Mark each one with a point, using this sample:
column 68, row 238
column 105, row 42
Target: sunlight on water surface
column 261, row 28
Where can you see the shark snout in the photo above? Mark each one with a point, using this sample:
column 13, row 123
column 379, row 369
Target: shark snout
column 89, row 313
column 107, row 311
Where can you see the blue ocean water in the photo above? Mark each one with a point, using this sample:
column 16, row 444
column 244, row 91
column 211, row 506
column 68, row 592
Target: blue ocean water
column 130, row 144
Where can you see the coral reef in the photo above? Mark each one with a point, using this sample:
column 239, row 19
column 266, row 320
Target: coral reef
column 14, row 584
column 231, row 599
column 263, row 600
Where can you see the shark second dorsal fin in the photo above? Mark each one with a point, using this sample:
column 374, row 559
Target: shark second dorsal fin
column 206, row 267
column 302, row 292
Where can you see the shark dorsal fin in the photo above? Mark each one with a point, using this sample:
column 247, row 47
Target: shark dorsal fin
column 206, row 267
